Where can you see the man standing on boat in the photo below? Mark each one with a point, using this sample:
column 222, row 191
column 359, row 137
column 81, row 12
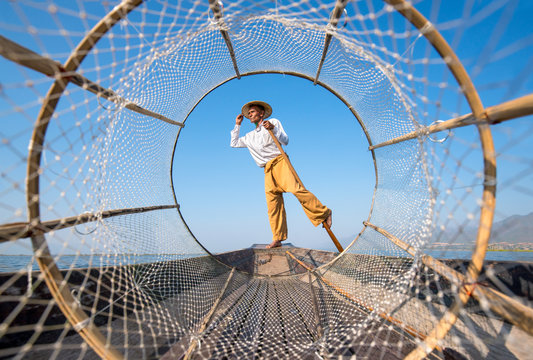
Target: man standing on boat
column 278, row 176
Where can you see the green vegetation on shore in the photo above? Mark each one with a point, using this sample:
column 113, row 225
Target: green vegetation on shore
column 511, row 250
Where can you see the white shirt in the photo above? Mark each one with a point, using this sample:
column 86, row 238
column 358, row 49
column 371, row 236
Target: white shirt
column 259, row 142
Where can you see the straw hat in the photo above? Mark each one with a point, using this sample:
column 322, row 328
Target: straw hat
column 246, row 107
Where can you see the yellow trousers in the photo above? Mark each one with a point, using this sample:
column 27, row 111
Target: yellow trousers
column 279, row 179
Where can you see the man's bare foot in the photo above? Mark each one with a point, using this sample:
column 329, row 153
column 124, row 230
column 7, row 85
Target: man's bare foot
column 329, row 220
column 273, row 244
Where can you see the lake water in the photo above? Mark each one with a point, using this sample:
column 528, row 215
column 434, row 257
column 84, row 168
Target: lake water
column 10, row 263
column 491, row 255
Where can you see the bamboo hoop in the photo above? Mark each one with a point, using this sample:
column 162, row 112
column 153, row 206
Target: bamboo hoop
column 489, row 191
column 53, row 277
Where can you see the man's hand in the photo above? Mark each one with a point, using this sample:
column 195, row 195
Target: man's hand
column 238, row 119
column 268, row 125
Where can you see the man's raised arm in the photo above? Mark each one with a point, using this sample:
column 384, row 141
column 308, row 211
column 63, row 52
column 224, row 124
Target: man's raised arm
column 235, row 140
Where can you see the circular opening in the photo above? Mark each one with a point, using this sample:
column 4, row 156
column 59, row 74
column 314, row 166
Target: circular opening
column 223, row 187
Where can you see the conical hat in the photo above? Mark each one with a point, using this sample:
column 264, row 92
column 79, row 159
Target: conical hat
column 246, row 108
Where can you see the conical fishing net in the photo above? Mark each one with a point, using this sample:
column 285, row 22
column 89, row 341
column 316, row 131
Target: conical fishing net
column 97, row 260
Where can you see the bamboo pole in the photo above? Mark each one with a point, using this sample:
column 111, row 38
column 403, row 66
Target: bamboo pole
column 14, row 231
column 511, row 310
column 509, row 110
column 209, row 316
column 333, row 237
column 291, row 168
column 25, row 57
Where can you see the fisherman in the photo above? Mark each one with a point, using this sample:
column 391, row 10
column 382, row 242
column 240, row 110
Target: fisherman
column 278, row 176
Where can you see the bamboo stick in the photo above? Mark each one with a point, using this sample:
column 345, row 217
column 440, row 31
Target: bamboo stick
column 209, row 316
column 333, row 237
column 14, row 231
column 319, row 328
column 509, row 110
column 512, row 109
column 511, row 310
column 25, row 57
column 291, row 168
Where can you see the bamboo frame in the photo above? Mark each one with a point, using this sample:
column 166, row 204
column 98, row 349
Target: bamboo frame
column 489, row 158
column 25, row 57
column 511, row 310
column 209, row 316
column 336, row 14
column 509, row 110
column 217, row 11
column 14, row 231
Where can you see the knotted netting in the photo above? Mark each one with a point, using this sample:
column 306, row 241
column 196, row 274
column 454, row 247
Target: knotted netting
column 98, row 261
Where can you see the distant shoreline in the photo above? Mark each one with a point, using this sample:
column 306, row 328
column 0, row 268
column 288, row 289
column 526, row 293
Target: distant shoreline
column 511, row 250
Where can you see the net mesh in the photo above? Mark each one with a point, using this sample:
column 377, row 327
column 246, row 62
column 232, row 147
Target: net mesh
column 104, row 212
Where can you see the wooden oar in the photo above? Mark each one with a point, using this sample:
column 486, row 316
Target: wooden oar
column 326, row 226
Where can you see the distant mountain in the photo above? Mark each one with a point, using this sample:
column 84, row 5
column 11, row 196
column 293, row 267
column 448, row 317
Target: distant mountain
column 514, row 229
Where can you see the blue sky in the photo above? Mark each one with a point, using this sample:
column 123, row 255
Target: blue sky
column 220, row 189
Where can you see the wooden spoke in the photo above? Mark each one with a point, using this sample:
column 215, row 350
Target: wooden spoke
column 215, row 7
column 14, row 231
column 492, row 115
column 25, row 57
column 318, row 323
column 333, row 22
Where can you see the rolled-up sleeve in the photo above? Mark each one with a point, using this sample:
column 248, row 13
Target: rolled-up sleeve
column 279, row 133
